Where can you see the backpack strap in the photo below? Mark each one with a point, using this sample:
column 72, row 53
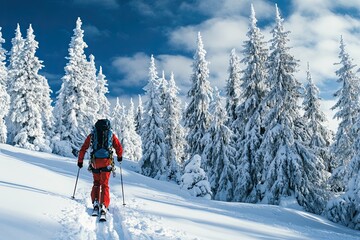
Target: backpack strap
column 109, row 138
column 95, row 139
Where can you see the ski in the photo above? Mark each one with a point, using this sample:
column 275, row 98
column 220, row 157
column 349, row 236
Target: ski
column 95, row 212
column 102, row 217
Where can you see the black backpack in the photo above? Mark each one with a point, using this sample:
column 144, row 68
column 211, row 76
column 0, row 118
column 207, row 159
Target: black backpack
column 102, row 139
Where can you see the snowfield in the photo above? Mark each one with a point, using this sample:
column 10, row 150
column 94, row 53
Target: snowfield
column 35, row 203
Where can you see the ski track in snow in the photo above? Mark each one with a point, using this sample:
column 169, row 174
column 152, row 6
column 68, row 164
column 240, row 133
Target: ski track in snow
column 123, row 222
column 77, row 222
column 139, row 225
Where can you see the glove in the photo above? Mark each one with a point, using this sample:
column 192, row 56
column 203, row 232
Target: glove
column 119, row 159
column 80, row 164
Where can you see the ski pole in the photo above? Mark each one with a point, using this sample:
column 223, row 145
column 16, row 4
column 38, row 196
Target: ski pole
column 122, row 186
column 77, row 177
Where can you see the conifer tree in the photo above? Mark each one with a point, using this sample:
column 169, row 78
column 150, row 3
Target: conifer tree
column 220, row 152
column 348, row 110
column 131, row 140
column 102, row 89
column 47, row 110
column 92, row 103
column 174, row 132
column 292, row 170
column 4, row 96
column 30, row 99
column 163, row 84
column 153, row 162
column 345, row 209
column 195, row 180
column 197, row 116
column 233, row 88
column 249, row 116
column 117, row 119
column 122, row 122
column 320, row 136
column 139, row 116
column 15, row 70
column 76, row 109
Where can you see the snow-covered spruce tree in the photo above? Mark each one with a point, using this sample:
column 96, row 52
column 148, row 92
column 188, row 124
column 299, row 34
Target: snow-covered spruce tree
column 47, row 115
column 197, row 115
column 345, row 209
column 174, row 132
column 195, row 180
column 122, row 122
column 102, row 90
column 30, row 99
column 153, row 163
column 320, row 135
column 76, row 109
column 47, row 112
column 162, row 89
column 118, row 119
column 348, row 111
column 233, row 87
column 92, row 103
column 131, row 140
column 292, row 170
column 248, row 125
column 4, row 96
column 139, row 115
column 45, row 101
column 14, row 71
column 220, row 152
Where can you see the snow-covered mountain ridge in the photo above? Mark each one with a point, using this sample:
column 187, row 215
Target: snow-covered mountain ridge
column 36, row 190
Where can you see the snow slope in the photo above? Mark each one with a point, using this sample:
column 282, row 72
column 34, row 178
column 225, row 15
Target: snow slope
column 35, row 203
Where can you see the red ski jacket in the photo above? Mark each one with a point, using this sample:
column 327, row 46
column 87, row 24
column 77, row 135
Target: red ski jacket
column 100, row 162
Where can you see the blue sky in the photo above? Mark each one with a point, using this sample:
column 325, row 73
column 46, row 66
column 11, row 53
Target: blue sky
column 122, row 34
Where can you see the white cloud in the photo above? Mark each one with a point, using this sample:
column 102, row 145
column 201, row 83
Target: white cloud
column 135, row 69
column 315, row 37
column 180, row 66
column 219, row 37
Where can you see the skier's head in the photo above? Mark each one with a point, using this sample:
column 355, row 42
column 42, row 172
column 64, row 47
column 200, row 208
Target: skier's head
column 103, row 124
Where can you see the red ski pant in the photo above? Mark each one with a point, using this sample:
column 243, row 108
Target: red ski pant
column 100, row 190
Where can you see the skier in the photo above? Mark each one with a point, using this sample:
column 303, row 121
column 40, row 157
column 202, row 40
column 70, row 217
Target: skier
column 102, row 140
